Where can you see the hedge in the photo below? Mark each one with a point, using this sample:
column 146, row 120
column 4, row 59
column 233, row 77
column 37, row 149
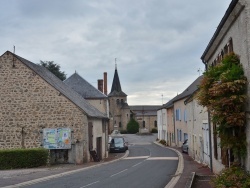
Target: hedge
column 23, row 158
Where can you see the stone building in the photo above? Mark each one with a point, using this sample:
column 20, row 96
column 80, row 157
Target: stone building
column 119, row 109
column 97, row 99
column 146, row 116
column 33, row 99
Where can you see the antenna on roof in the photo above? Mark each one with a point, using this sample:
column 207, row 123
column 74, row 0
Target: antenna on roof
column 199, row 71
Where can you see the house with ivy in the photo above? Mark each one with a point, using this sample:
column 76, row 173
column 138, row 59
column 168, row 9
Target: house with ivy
column 224, row 89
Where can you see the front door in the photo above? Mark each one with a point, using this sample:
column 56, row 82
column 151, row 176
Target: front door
column 99, row 147
column 206, row 143
column 90, row 127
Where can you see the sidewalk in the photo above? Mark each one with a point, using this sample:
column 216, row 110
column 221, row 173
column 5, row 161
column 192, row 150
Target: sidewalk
column 203, row 173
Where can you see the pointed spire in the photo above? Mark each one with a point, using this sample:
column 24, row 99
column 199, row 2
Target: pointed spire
column 116, row 89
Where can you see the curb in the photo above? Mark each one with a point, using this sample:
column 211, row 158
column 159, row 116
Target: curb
column 179, row 170
column 31, row 182
column 191, row 181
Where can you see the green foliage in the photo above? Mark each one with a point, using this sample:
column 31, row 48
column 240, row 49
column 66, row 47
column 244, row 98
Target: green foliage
column 23, row 158
column 232, row 177
column 133, row 126
column 223, row 92
column 163, row 142
column 54, row 68
column 123, row 131
column 154, row 130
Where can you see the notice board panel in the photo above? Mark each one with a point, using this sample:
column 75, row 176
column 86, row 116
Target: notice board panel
column 58, row 138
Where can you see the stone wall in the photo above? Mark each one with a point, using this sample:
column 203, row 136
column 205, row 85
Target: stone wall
column 118, row 114
column 29, row 103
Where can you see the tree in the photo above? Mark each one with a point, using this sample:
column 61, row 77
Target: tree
column 133, row 126
column 54, row 68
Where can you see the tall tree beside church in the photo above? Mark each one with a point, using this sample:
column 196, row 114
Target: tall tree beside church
column 54, row 68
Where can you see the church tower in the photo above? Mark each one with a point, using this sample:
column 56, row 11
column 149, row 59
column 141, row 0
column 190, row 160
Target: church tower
column 119, row 109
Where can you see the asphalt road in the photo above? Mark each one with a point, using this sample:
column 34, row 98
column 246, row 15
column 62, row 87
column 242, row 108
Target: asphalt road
column 147, row 166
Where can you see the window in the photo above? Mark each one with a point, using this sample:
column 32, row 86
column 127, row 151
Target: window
column 178, row 114
column 117, row 101
column 185, row 115
column 180, row 136
column 122, row 101
column 185, row 136
column 143, row 124
column 230, row 45
column 120, row 124
column 155, row 123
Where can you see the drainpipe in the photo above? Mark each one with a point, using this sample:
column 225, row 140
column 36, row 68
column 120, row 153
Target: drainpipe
column 209, row 129
column 174, row 126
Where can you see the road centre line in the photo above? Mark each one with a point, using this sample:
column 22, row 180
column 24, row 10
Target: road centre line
column 90, row 184
column 136, row 164
column 163, row 158
column 137, row 157
column 118, row 173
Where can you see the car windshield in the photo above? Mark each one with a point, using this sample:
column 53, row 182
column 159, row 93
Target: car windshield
column 118, row 142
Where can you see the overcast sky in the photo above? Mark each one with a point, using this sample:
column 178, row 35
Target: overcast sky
column 157, row 43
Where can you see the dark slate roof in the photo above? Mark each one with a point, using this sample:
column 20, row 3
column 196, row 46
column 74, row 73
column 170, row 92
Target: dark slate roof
column 55, row 82
column 148, row 110
column 84, row 88
column 186, row 93
column 116, row 89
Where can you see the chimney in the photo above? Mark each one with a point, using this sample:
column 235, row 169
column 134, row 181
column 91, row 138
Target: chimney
column 100, row 85
column 105, row 83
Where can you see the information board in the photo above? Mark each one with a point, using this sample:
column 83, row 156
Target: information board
column 58, row 138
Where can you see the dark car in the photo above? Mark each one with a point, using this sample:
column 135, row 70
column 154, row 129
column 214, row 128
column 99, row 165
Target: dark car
column 185, row 146
column 117, row 144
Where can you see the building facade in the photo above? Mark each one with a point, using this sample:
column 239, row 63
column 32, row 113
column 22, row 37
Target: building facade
column 231, row 35
column 33, row 99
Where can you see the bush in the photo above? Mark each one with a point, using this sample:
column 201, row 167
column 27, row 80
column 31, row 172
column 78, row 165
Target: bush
column 154, row 130
column 124, row 132
column 163, row 142
column 133, row 126
column 232, row 177
column 23, row 158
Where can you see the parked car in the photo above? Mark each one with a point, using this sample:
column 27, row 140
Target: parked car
column 117, row 144
column 185, row 146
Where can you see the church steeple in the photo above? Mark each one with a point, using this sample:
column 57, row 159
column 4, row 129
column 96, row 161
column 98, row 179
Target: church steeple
column 116, row 89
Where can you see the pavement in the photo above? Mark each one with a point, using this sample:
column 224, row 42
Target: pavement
column 189, row 172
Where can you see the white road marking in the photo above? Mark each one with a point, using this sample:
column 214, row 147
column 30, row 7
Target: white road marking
column 141, row 143
column 163, row 158
column 136, row 164
column 118, row 173
column 137, row 157
column 90, row 184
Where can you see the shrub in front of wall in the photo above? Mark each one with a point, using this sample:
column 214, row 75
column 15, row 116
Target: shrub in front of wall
column 154, row 130
column 163, row 142
column 133, row 126
column 232, row 177
column 23, row 158
column 124, row 132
